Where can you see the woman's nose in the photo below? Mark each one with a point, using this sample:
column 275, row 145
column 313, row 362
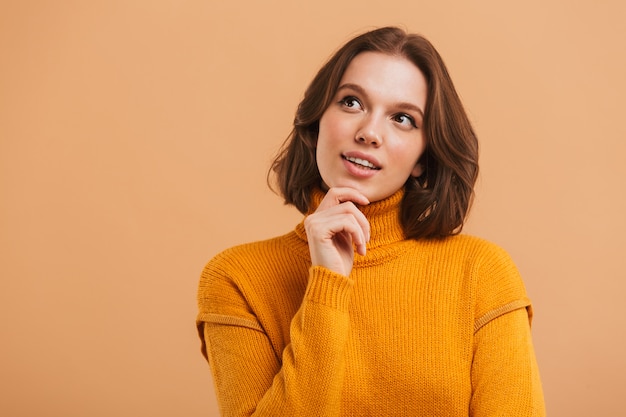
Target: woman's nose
column 369, row 133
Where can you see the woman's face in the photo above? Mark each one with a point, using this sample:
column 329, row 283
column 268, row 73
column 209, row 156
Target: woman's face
column 370, row 137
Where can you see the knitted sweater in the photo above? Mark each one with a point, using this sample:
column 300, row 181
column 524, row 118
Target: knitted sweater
column 419, row 328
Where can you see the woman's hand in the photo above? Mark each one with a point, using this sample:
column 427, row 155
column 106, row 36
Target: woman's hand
column 335, row 228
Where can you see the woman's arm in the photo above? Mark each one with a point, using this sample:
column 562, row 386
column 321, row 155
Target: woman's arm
column 307, row 377
column 505, row 376
column 250, row 379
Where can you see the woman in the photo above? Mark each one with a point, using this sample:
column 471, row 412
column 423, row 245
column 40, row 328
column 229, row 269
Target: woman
column 374, row 304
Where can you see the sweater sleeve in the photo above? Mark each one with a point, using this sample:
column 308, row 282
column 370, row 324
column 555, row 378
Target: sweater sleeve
column 250, row 379
column 505, row 377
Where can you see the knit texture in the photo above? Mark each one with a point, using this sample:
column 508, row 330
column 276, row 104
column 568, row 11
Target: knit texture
column 419, row 328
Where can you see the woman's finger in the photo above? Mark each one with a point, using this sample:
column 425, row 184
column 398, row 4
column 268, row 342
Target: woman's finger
column 341, row 195
column 338, row 195
column 322, row 229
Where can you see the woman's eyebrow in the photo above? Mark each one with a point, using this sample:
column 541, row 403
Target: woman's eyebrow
column 410, row 107
column 403, row 105
column 351, row 86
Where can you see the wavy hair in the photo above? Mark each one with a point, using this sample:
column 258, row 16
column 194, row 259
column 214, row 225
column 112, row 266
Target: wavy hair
column 435, row 204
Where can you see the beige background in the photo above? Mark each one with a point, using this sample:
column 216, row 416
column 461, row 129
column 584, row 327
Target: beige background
column 134, row 141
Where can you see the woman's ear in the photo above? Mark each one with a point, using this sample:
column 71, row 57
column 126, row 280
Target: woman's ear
column 417, row 170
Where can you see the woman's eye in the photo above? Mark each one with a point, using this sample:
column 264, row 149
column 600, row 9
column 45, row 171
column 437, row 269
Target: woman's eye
column 405, row 119
column 350, row 102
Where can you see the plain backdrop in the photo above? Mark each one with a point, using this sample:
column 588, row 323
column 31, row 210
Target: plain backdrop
column 135, row 137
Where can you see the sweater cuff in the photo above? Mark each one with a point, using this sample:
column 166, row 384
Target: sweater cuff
column 329, row 288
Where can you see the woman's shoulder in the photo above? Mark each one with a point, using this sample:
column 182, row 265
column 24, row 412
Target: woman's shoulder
column 260, row 251
column 494, row 273
column 469, row 246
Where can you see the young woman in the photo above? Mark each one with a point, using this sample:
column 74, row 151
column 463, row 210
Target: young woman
column 374, row 305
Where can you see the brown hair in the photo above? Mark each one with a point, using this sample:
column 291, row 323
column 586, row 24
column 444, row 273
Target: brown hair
column 436, row 203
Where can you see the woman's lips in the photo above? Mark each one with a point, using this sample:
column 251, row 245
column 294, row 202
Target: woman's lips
column 362, row 162
column 359, row 168
column 362, row 159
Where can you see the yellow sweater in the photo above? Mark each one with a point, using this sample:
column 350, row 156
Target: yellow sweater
column 419, row 328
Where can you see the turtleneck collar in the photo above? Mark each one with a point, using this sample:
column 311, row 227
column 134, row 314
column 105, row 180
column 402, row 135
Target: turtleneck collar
column 383, row 215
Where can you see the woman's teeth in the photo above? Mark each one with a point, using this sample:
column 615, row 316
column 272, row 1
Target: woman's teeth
column 361, row 162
